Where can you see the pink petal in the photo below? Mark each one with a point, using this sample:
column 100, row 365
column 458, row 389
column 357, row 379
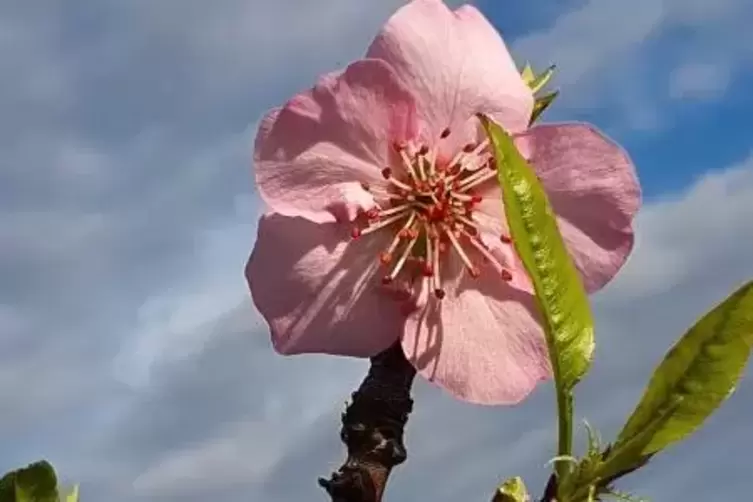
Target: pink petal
column 594, row 191
column 317, row 290
column 318, row 148
column 456, row 65
column 483, row 343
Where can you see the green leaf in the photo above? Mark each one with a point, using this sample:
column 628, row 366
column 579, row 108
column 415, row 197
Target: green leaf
column 562, row 299
column 535, row 234
column 703, row 368
column 512, row 490
column 541, row 80
column 34, row 483
column 527, row 74
column 541, row 104
column 8, row 487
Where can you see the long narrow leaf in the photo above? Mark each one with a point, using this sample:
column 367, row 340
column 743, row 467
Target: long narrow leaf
column 535, row 234
column 559, row 291
column 703, row 368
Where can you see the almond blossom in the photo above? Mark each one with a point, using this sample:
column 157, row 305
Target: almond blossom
column 385, row 219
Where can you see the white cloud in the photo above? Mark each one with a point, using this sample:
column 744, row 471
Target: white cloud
column 618, row 55
column 699, row 81
column 682, row 238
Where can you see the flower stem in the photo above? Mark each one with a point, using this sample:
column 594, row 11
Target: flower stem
column 372, row 429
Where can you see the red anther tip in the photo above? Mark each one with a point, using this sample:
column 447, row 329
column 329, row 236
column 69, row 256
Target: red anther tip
column 445, row 133
column 476, row 199
column 386, row 280
column 506, row 275
column 386, row 172
column 423, row 150
column 385, row 258
column 469, row 148
column 365, row 186
column 439, row 293
column 372, row 213
column 355, row 233
column 475, row 273
column 398, row 145
column 505, row 239
column 428, row 270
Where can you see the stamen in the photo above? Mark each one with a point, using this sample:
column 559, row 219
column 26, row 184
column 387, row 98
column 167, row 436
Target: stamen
column 408, row 165
column 429, row 257
column 481, row 147
column 402, row 208
column 476, row 179
column 387, row 173
column 423, row 200
column 420, row 164
column 490, row 257
column 381, row 224
column 386, row 256
column 433, row 160
column 438, row 291
column 472, row 269
column 403, row 258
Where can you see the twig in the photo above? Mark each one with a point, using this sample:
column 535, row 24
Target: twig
column 372, row 429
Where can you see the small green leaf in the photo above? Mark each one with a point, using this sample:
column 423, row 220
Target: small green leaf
column 512, row 490
column 703, row 368
column 542, row 79
column 541, row 104
column 560, row 294
column 34, row 483
column 527, row 74
column 8, row 487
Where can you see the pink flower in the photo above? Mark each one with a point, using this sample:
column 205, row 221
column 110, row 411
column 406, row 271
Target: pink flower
column 386, row 221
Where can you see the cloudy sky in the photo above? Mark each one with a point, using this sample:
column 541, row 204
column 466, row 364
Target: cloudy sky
column 130, row 354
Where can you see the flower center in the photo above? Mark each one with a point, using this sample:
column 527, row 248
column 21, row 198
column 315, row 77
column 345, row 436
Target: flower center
column 429, row 212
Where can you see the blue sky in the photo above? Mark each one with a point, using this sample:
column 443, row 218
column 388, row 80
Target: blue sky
column 130, row 354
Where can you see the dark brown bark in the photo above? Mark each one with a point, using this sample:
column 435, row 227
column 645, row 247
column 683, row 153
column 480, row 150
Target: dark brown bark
column 372, row 429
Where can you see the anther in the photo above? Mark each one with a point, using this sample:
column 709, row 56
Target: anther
column 439, row 293
column 385, row 257
column 365, row 186
column 423, row 150
column 505, row 239
column 506, row 275
column 386, row 173
column 445, row 133
column 355, row 233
